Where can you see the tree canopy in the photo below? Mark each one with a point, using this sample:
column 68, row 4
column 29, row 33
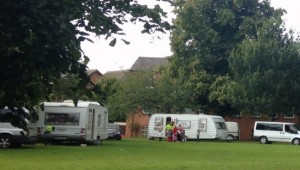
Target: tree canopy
column 206, row 32
column 265, row 72
column 154, row 91
column 40, row 41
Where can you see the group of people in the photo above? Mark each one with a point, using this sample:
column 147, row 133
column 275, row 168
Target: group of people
column 174, row 133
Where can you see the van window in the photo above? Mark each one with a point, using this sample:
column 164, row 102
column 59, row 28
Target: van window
column 291, row 129
column 221, row 125
column 268, row 126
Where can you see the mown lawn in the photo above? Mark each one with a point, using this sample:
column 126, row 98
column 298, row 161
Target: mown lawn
column 130, row 154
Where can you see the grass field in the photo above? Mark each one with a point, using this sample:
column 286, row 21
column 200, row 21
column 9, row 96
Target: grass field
column 130, row 154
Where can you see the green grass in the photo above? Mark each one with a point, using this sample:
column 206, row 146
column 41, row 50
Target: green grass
column 130, row 154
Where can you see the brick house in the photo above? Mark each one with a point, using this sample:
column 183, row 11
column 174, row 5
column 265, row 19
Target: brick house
column 148, row 63
column 137, row 124
column 119, row 75
column 94, row 75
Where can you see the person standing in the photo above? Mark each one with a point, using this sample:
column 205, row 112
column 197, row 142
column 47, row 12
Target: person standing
column 160, row 135
column 179, row 133
column 198, row 135
column 174, row 134
column 169, row 128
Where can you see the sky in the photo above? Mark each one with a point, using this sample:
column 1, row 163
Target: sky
column 122, row 56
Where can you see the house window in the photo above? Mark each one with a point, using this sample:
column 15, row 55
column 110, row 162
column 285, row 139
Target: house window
column 289, row 115
column 256, row 114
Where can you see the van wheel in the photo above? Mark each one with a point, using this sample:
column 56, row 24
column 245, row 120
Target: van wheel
column 296, row 141
column 263, row 140
column 5, row 141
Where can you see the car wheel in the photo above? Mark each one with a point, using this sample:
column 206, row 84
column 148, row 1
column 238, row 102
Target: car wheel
column 263, row 140
column 5, row 141
column 296, row 141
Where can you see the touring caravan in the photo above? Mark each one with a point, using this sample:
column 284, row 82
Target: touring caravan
column 85, row 123
column 210, row 126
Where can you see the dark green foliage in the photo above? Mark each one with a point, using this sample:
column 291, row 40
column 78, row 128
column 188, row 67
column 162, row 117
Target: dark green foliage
column 40, row 42
column 153, row 91
column 206, row 31
column 265, row 72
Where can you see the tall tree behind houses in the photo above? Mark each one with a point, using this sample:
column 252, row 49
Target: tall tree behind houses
column 205, row 33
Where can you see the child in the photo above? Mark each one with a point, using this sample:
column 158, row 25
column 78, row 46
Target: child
column 159, row 135
column 198, row 135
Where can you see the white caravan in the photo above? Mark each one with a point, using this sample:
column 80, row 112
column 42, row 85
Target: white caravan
column 86, row 123
column 267, row 132
column 211, row 127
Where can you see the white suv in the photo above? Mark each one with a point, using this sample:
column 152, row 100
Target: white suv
column 11, row 136
column 267, row 132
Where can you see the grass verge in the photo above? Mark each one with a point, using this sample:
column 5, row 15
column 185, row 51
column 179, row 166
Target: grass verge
column 130, row 154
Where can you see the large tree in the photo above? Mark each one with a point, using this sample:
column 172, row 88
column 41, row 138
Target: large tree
column 265, row 72
column 205, row 33
column 40, row 41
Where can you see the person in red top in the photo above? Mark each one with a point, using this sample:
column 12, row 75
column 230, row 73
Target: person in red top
column 174, row 134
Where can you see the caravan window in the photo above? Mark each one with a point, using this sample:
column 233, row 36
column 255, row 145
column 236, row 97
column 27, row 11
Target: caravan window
column 221, row 125
column 62, row 118
column 158, row 123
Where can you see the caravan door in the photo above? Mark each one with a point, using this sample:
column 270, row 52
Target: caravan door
column 91, row 133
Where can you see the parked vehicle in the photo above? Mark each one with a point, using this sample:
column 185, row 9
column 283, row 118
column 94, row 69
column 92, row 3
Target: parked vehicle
column 63, row 121
column 267, row 132
column 211, row 127
column 114, row 131
column 233, row 130
column 11, row 136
